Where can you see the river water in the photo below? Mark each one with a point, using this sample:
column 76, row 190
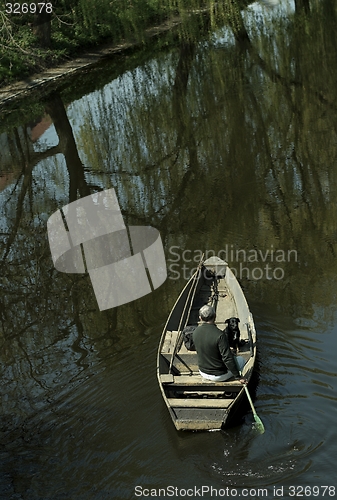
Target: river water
column 226, row 142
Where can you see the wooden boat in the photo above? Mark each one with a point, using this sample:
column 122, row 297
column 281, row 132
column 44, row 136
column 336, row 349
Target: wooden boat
column 195, row 403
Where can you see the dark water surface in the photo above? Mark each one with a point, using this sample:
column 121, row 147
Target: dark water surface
column 225, row 141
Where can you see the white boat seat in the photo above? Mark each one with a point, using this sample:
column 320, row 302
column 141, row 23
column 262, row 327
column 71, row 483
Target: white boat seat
column 197, row 382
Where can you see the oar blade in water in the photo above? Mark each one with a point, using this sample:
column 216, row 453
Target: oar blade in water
column 258, row 425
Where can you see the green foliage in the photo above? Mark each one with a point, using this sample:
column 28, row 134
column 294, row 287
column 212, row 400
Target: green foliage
column 77, row 25
column 16, row 58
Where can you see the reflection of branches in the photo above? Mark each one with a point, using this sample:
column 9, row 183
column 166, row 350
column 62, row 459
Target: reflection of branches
column 80, row 330
column 148, row 168
column 175, row 205
column 302, row 6
column 77, row 181
column 34, row 159
column 262, row 129
column 19, row 145
column 26, row 186
column 306, row 188
column 19, row 210
column 41, row 383
column 15, row 186
column 186, row 56
column 19, row 333
column 244, row 43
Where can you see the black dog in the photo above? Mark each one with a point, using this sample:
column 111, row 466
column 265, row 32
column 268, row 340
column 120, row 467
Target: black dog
column 233, row 333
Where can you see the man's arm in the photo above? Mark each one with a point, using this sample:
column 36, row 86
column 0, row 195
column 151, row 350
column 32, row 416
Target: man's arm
column 228, row 358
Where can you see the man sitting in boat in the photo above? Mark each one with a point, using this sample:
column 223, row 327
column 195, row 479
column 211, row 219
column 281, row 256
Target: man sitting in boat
column 215, row 359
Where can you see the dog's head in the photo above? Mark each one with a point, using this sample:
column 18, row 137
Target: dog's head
column 233, row 323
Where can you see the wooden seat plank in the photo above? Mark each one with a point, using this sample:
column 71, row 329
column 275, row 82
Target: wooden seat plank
column 198, row 383
column 198, row 379
column 200, row 403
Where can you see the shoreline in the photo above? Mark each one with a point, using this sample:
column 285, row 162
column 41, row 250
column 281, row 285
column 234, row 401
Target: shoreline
column 22, row 88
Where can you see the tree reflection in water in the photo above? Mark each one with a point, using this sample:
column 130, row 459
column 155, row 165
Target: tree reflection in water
column 228, row 138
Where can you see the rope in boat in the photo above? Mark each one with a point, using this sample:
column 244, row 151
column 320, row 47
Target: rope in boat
column 190, row 302
column 180, row 330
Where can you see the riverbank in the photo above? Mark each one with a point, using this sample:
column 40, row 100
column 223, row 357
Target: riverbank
column 86, row 52
column 33, row 46
column 35, row 36
column 21, row 88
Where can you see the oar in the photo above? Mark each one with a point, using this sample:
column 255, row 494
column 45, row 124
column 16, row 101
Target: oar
column 258, row 422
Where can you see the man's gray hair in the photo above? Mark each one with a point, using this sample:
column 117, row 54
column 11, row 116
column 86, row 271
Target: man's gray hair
column 207, row 313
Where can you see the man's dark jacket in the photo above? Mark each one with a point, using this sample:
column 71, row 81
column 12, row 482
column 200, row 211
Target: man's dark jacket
column 214, row 354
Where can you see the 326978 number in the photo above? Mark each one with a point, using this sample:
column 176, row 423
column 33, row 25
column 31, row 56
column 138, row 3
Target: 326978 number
column 28, row 8
column 315, row 491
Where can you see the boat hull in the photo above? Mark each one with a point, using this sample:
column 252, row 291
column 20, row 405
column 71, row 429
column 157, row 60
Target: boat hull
column 193, row 402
